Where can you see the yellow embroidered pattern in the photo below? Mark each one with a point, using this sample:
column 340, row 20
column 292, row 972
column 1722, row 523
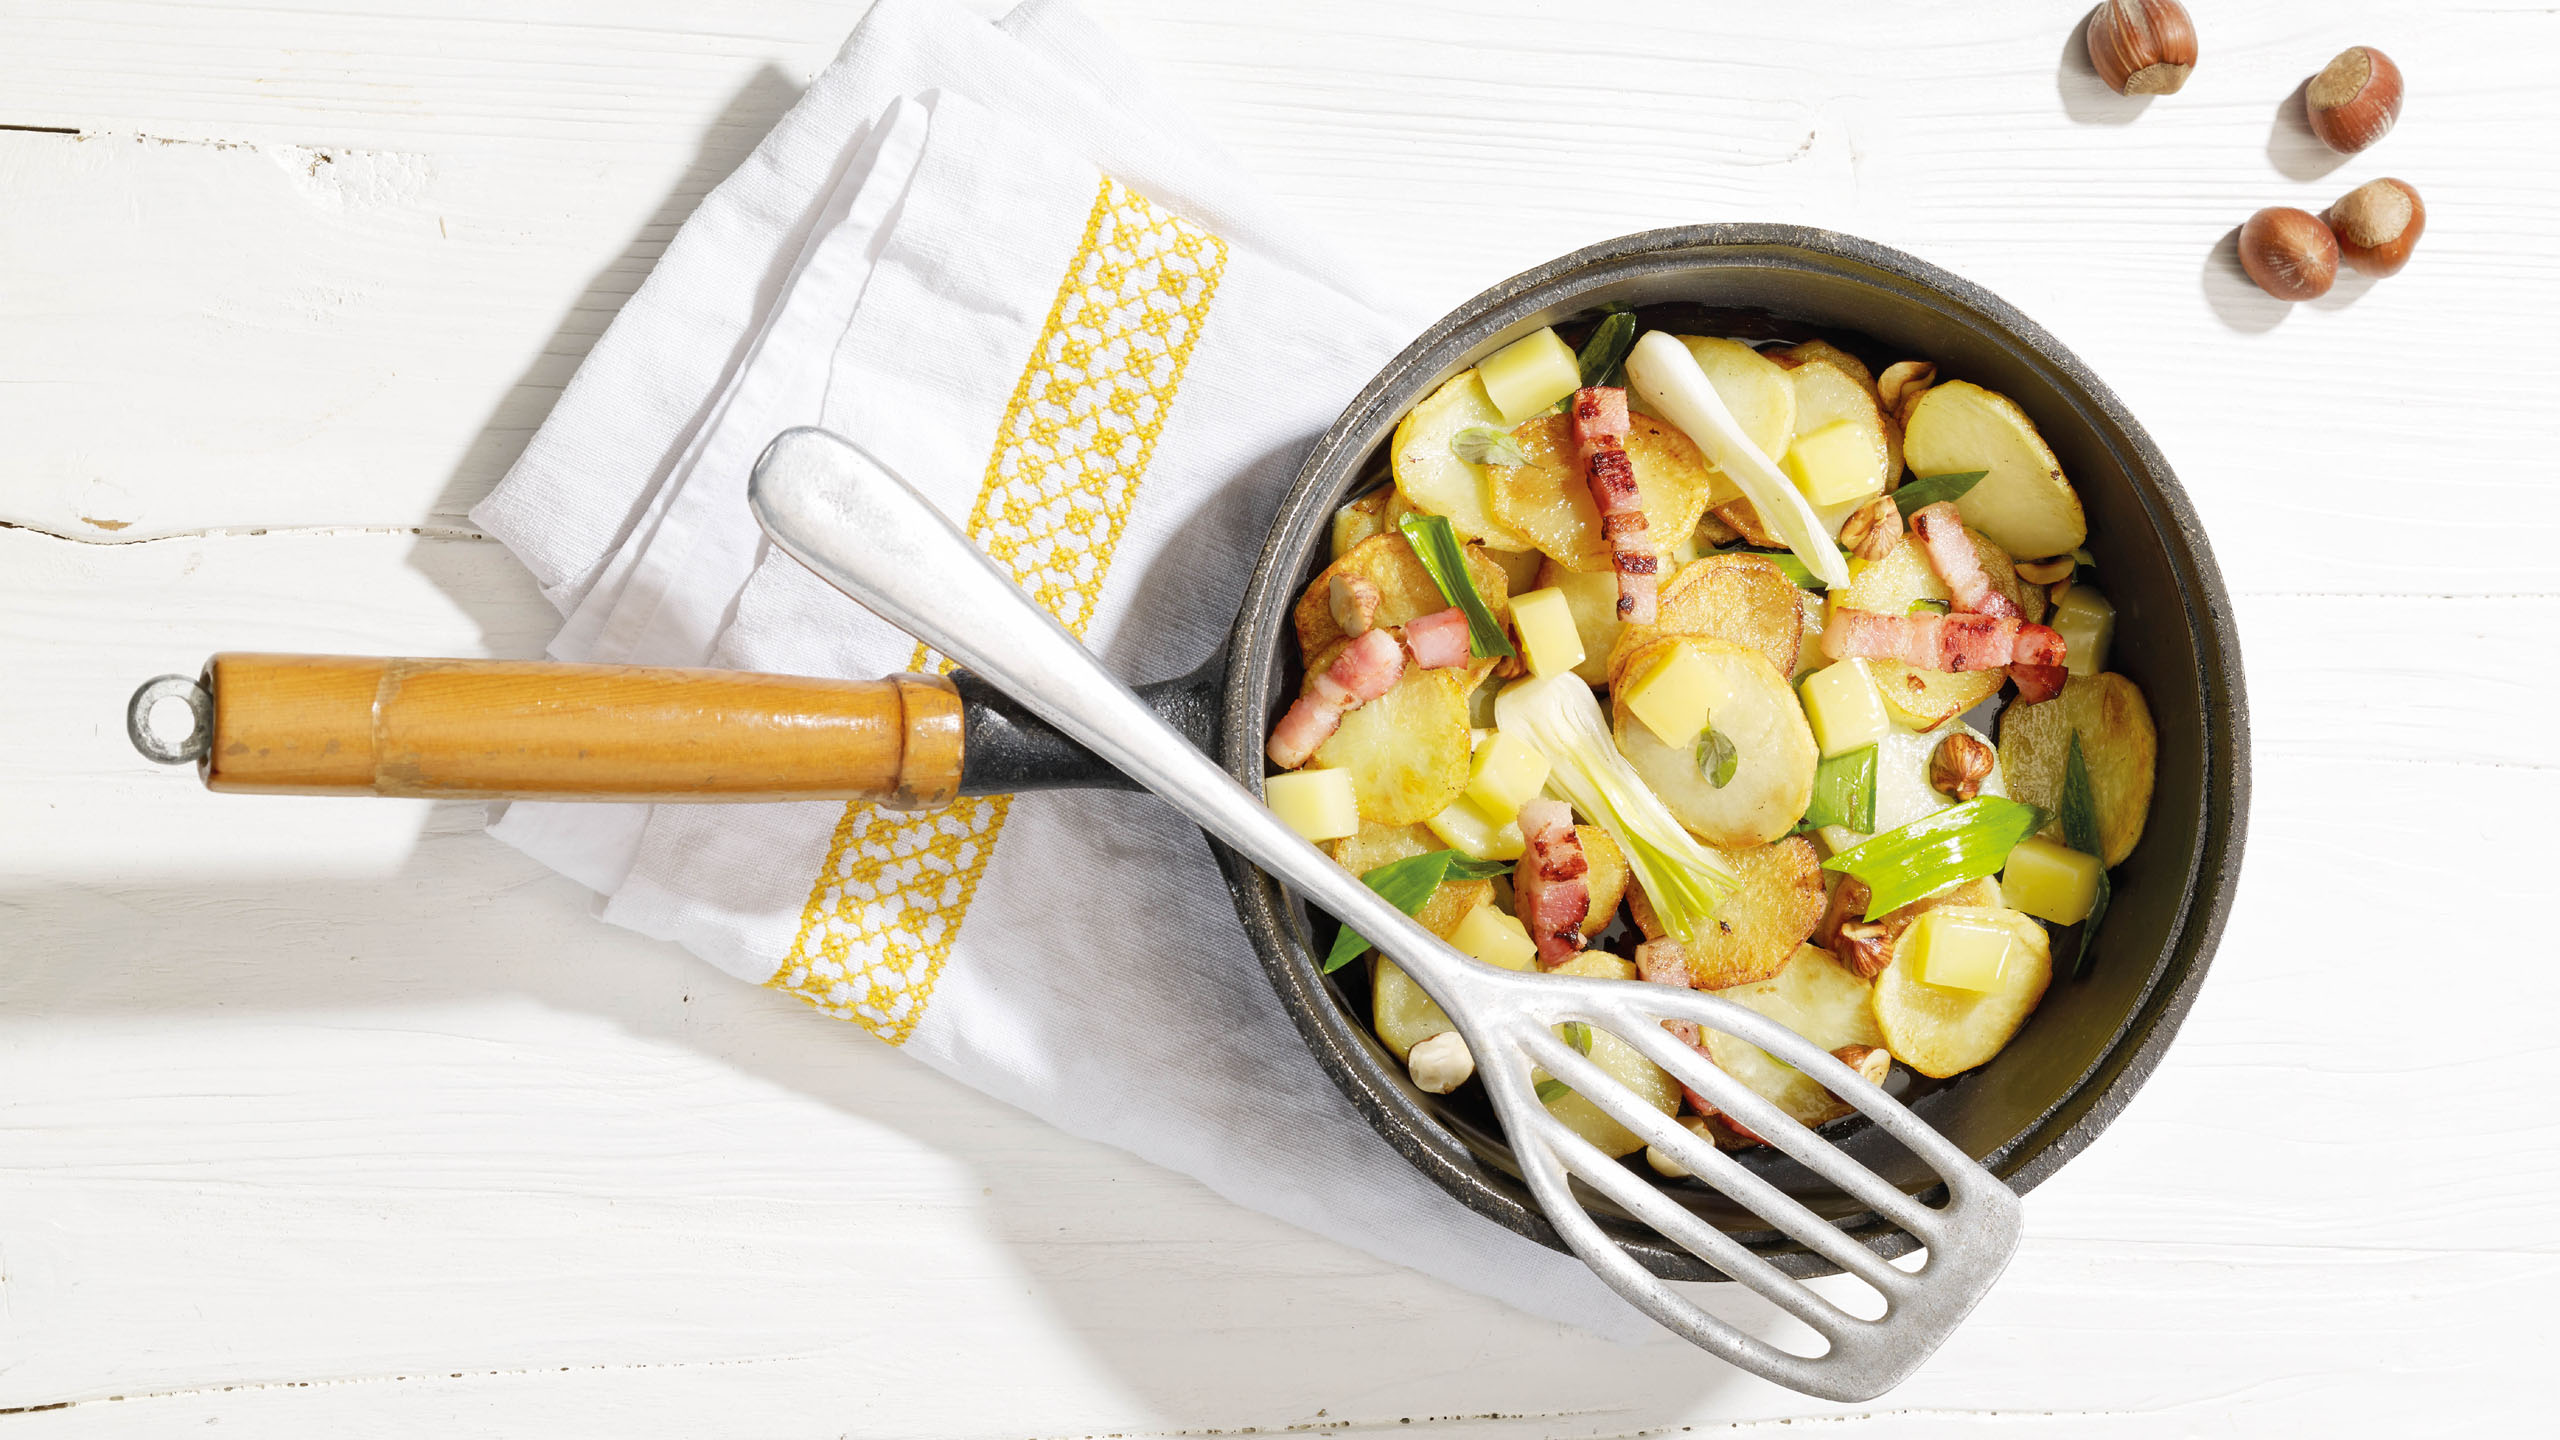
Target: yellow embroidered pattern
column 1074, row 444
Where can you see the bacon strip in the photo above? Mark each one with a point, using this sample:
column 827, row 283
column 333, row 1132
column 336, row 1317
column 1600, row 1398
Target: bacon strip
column 1600, row 447
column 1959, row 565
column 1549, row 886
column 1367, row 668
column 1439, row 640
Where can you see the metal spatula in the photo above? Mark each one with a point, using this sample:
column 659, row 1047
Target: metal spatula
column 867, row 533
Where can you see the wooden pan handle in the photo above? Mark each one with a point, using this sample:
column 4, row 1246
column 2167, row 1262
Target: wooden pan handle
column 534, row 730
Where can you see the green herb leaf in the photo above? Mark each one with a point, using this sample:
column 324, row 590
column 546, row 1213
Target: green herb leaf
column 1930, row 489
column 1406, row 884
column 1487, row 445
column 1550, row 1091
column 2083, row 559
column 1844, row 791
column 2080, row 831
column 1960, row 843
column 1604, row 355
column 1928, row 607
column 1462, row 867
column 1437, row 546
column 1796, row 570
column 1717, row 757
column 1578, row 1035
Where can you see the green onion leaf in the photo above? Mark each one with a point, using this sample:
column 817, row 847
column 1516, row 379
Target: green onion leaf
column 1604, row 355
column 1930, row 489
column 1438, row 548
column 1844, row 791
column 1550, row 1091
column 1928, row 607
column 1960, row 843
column 1465, row 867
column 1487, row 445
column 1717, row 757
column 1406, row 884
column 1578, row 1035
column 2083, row 559
column 1796, row 570
column 2080, row 831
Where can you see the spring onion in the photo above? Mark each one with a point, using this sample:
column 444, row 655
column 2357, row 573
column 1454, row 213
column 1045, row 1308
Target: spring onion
column 1437, row 547
column 1844, row 791
column 1662, row 370
column 1604, row 355
column 1407, row 884
column 2080, row 830
column 1960, row 843
column 1557, row 713
column 1930, row 489
column 1928, row 607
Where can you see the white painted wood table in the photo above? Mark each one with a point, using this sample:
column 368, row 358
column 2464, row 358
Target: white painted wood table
column 340, row 1118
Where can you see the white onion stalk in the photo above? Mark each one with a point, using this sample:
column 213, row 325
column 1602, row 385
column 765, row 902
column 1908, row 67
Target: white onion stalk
column 1662, row 370
column 1558, row 714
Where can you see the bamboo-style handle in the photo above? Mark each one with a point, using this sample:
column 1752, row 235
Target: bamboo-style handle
column 533, row 730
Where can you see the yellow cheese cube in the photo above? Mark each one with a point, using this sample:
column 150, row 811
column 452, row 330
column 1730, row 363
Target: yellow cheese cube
column 1676, row 695
column 1961, row 947
column 1465, row 828
column 1489, row 935
column 1508, row 774
column 1842, row 705
column 1529, row 374
column 2086, row 621
column 1318, row 804
column 2051, row 882
column 1835, row 464
column 1548, row 639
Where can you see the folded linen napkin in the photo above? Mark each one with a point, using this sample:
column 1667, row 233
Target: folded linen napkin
column 983, row 254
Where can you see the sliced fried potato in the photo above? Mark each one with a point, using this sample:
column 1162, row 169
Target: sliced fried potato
column 1401, row 1014
column 1923, row 699
column 1817, row 998
column 1430, row 472
column 2024, row 503
column 2117, row 743
column 1738, row 598
column 1760, row 924
column 1755, row 388
column 1378, row 845
column 1774, row 753
column 1620, row 1061
column 1823, row 352
column 1827, row 395
column 1548, row 500
column 1407, row 751
column 1519, row 568
column 1940, row 1031
column 1592, row 596
column 1375, row 513
column 1607, row 878
column 1405, row 590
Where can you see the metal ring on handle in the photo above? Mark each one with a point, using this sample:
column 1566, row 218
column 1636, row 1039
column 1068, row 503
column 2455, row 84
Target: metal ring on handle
column 199, row 702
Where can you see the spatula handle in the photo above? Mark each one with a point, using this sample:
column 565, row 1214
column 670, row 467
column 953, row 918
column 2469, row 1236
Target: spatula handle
column 534, row 730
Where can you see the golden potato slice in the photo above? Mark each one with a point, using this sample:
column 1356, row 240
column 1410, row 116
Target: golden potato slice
column 1778, row 904
column 1405, row 590
column 1819, row 1000
column 1378, row 845
column 1773, row 748
column 1742, row 599
column 1408, row 750
column 1548, row 501
column 1925, row 699
column 1375, row 513
column 1519, row 568
column 2024, row 503
column 1592, row 596
column 1823, row 352
column 1617, row 1059
column 1429, row 471
column 1942, row 1032
column 1752, row 386
column 2117, row 743
column 1826, row 395
column 1401, row 1014
column 1607, row 880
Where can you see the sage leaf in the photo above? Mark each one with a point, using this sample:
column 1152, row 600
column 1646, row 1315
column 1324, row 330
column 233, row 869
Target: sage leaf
column 2080, row 831
column 1578, row 1035
column 1930, row 489
column 1550, row 1091
column 1487, row 445
column 1604, row 355
column 1717, row 757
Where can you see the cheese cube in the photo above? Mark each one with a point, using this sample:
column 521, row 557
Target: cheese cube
column 1508, row 774
column 1548, row 639
column 1961, row 947
column 1465, row 828
column 1529, row 374
column 1842, row 705
column 1835, row 464
column 1489, row 935
column 2086, row 621
column 2051, row 882
column 1678, row 693
column 1318, row 804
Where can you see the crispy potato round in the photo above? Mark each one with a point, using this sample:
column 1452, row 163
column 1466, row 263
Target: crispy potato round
column 1773, row 747
column 1827, row 395
column 1548, row 501
column 1429, row 471
column 1406, row 590
column 1823, row 352
column 1607, row 879
column 1778, row 904
column 1375, row 513
column 1816, row 998
column 1924, row 699
column 1407, row 751
column 2117, row 743
column 2024, row 503
column 1940, row 1031
column 1743, row 599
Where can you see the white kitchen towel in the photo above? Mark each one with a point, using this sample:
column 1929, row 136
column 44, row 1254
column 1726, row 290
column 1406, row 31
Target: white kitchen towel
column 983, row 255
